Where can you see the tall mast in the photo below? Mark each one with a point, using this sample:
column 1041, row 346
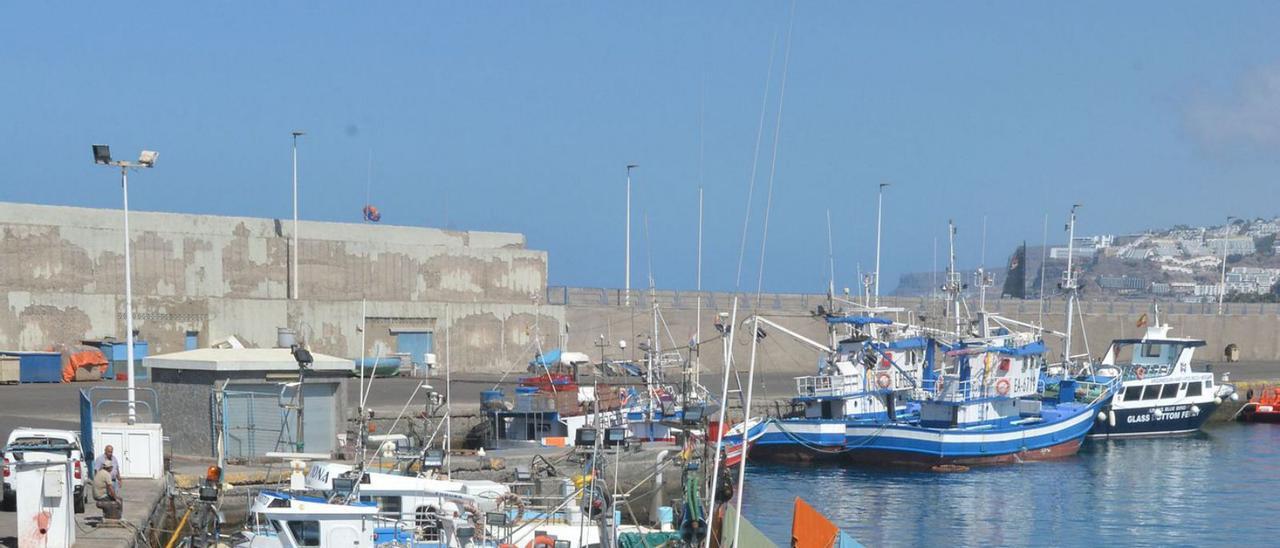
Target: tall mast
column 879, row 216
column 697, row 324
column 953, row 277
column 1069, row 286
column 626, row 292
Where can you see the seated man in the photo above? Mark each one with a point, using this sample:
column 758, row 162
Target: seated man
column 105, row 493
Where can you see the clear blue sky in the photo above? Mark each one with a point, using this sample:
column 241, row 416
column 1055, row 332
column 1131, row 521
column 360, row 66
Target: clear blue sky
column 520, row 116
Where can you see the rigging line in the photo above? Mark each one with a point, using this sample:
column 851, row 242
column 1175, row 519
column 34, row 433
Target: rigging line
column 755, row 159
column 773, row 164
column 764, row 236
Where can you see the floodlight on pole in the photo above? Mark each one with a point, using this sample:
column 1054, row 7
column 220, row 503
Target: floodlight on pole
column 102, row 156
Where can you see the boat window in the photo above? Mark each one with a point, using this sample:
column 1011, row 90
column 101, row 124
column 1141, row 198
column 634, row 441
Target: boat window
column 1133, row 393
column 389, row 506
column 1152, row 392
column 1170, row 390
column 1193, row 389
column 1151, row 350
column 1208, row 384
column 306, row 533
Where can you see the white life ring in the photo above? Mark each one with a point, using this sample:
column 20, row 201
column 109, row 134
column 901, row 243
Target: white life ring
column 883, row 380
column 1002, row 387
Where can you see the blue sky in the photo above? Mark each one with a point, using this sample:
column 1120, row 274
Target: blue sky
column 521, row 117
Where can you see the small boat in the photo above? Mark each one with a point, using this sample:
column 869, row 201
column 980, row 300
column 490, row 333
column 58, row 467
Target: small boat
column 732, row 443
column 1159, row 394
column 1265, row 407
column 387, row 366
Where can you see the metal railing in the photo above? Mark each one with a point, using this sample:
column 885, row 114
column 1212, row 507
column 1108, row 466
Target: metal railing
column 949, row 388
column 837, row 386
column 716, row 300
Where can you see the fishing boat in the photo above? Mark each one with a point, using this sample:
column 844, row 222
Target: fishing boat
column 1265, row 407
column 862, row 380
column 1159, row 394
column 986, row 408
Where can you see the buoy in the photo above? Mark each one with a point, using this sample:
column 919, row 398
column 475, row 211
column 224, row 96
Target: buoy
column 1235, row 396
column 480, row 452
column 1102, row 416
column 1195, row 410
column 1111, row 418
column 1217, row 400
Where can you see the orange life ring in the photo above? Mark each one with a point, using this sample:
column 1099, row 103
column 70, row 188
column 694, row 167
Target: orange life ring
column 1002, row 386
column 542, row 541
column 883, row 380
column 1140, row 372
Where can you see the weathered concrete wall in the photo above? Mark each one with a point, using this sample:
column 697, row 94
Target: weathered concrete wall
column 62, row 274
column 593, row 312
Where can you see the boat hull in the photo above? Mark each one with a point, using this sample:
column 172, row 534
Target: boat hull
column 1164, row 420
column 1270, row 416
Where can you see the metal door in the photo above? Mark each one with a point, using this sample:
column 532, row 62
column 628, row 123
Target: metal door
column 417, row 344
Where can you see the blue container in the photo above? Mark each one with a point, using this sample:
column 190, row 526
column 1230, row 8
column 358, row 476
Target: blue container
column 38, row 366
column 666, row 515
column 117, row 354
column 491, row 399
column 524, row 398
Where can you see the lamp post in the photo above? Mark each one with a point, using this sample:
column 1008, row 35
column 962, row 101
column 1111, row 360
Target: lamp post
column 1222, row 283
column 626, row 292
column 147, row 159
column 293, row 283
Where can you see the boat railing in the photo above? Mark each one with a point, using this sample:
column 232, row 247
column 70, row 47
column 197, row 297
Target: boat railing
column 949, row 388
column 1093, row 391
column 837, row 386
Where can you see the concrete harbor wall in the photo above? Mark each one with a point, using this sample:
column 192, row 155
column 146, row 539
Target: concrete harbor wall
column 1254, row 327
column 62, row 274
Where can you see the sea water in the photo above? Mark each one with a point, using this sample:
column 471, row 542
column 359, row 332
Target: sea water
column 1215, row 488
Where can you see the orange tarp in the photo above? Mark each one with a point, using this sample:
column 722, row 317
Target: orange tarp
column 88, row 358
column 810, row 529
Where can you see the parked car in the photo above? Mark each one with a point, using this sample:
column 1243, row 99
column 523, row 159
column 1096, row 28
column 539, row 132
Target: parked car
column 24, row 442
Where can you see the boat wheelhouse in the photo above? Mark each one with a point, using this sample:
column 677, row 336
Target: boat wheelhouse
column 1159, row 394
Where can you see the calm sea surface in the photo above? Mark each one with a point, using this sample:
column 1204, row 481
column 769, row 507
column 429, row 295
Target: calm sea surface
column 1220, row 487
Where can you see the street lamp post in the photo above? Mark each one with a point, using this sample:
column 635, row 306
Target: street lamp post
column 293, row 283
column 102, row 156
column 626, row 292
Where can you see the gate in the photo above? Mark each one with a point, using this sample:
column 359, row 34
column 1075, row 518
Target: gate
column 254, row 424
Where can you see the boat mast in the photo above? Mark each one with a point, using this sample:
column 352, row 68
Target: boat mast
column 953, row 277
column 879, row 212
column 1069, row 286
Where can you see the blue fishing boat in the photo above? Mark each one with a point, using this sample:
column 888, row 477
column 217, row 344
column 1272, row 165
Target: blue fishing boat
column 861, row 381
column 986, row 408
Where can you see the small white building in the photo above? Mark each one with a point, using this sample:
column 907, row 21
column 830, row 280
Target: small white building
column 252, row 414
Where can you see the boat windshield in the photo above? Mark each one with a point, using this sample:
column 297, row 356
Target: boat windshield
column 1140, row 359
